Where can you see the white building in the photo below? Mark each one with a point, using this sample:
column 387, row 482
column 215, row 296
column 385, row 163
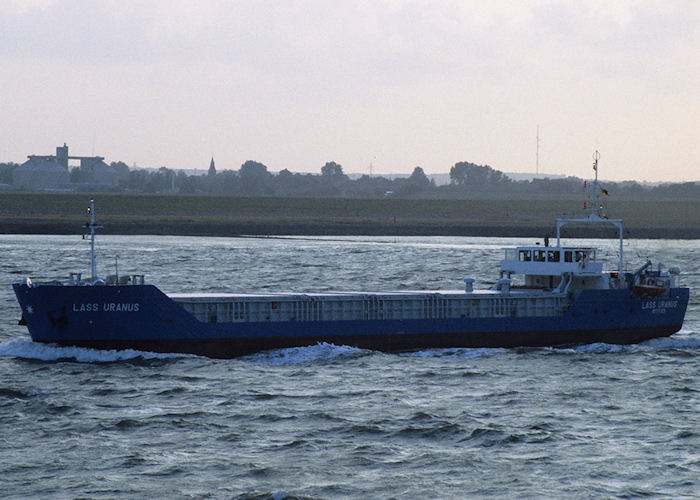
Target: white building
column 96, row 172
column 43, row 173
column 52, row 173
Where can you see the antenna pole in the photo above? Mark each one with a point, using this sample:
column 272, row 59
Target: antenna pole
column 537, row 154
column 594, row 217
column 92, row 226
column 594, row 192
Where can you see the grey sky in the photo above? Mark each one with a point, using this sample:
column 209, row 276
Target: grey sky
column 396, row 83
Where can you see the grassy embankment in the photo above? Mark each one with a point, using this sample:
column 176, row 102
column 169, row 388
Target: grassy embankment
column 226, row 216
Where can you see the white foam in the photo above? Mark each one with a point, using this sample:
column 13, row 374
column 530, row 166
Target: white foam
column 322, row 352
column 685, row 342
column 679, row 341
column 457, row 353
column 682, row 341
column 23, row 348
column 602, row 348
column 300, row 355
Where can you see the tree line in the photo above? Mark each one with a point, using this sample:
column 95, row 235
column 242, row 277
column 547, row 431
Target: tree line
column 466, row 180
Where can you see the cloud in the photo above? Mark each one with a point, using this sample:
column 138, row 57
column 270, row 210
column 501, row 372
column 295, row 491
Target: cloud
column 417, row 79
column 389, row 40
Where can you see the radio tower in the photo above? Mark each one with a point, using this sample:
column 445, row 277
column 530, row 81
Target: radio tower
column 537, row 154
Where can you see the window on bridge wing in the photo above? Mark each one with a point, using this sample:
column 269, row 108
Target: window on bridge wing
column 553, row 255
column 568, row 256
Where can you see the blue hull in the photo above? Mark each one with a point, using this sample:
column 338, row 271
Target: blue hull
column 142, row 317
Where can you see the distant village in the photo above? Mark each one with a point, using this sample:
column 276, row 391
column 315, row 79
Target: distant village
column 64, row 172
column 52, row 173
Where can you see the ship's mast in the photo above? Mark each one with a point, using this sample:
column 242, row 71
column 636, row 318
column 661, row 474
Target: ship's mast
column 594, row 202
column 595, row 196
column 92, row 226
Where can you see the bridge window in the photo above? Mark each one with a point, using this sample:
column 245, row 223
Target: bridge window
column 553, row 255
column 525, row 256
column 580, row 255
column 538, row 255
column 568, row 256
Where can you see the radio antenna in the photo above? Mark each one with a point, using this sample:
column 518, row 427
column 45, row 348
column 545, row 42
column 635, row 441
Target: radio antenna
column 537, row 154
column 92, row 226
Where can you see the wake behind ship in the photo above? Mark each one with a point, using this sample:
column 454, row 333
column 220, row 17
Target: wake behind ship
column 545, row 295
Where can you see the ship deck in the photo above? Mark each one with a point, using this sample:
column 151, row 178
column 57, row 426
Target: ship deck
column 407, row 294
column 340, row 306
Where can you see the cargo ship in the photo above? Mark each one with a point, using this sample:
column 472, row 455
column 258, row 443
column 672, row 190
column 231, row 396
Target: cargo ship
column 545, row 295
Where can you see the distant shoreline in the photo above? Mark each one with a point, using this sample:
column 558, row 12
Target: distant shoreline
column 274, row 216
column 276, row 229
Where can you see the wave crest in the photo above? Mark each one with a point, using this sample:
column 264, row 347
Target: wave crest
column 321, row 352
column 23, row 348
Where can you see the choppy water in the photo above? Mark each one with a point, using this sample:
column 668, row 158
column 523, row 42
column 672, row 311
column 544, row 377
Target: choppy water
column 333, row 421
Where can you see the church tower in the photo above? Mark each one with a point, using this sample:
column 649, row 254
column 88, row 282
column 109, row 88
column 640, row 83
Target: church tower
column 212, row 168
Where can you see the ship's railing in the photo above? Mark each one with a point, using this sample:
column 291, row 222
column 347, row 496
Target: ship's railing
column 429, row 306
